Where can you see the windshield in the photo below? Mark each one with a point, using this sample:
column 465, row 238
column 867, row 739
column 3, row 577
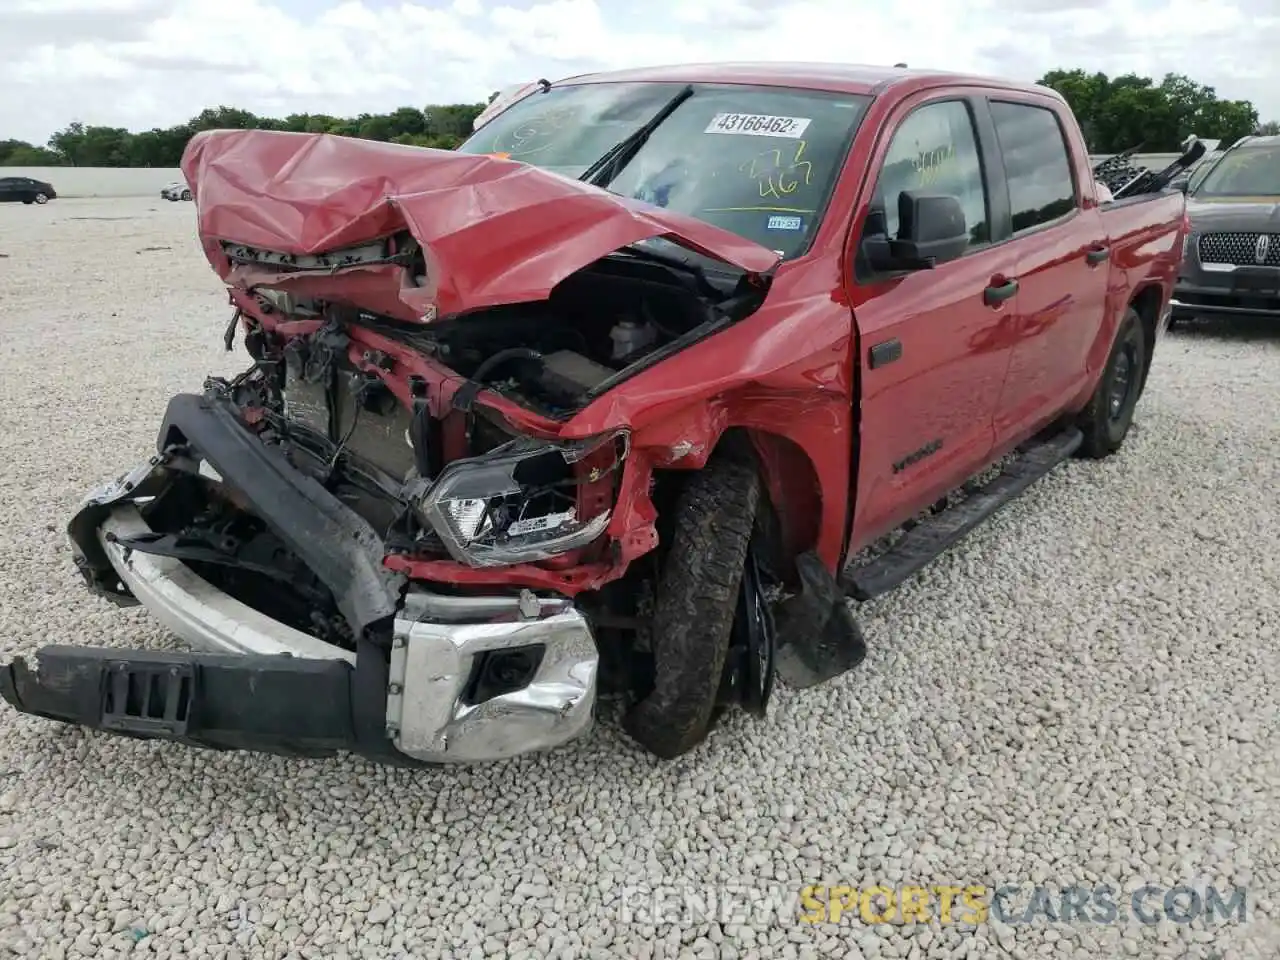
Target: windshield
column 1247, row 172
column 1199, row 173
column 759, row 161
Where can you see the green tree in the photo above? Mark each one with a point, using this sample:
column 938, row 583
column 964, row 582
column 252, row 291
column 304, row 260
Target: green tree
column 1130, row 110
column 19, row 153
column 443, row 126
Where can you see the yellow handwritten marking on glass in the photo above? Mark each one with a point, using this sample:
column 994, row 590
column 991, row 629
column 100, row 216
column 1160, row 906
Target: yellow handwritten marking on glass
column 779, row 178
column 929, row 164
column 756, row 209
column 534, row 135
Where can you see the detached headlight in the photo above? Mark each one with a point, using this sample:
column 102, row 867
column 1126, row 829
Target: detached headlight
column 519, row 503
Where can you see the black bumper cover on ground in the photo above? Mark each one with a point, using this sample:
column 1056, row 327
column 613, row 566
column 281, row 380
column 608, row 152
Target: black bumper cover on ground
column 283, row 705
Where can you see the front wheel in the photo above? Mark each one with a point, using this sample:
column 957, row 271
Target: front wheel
column 1106, row 420
column 695, row 602
column 41, row 198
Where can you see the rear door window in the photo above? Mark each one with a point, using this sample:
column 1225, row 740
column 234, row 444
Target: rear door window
column 1037, row 163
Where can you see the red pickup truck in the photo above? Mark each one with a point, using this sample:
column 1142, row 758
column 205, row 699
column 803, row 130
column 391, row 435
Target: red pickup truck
column 632, row 391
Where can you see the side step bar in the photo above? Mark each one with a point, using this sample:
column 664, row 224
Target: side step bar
column 931, row 537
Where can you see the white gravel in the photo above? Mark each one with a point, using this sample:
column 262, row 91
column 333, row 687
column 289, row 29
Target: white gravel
column 1085, row 691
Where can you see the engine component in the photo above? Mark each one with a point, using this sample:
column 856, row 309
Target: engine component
column 324, row 393
column 373, row 423
column 305, row 391
column 569, row 375
column 630, row 337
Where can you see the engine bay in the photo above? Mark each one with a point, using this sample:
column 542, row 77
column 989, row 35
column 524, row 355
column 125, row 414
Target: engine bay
column 387, row 416
column 602, row 324
column 555, row 355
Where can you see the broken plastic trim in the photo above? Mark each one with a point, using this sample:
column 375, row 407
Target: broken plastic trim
column 386, row 250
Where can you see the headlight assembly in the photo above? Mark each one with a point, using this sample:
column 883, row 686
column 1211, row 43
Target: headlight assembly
column 519, row 503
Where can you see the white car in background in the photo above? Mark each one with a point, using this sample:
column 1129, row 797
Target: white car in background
column 175, row 191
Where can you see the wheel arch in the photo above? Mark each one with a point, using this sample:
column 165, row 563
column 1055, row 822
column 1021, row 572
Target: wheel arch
column 791, row 489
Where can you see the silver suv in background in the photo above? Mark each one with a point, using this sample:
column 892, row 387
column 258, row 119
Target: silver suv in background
column 1231, row 260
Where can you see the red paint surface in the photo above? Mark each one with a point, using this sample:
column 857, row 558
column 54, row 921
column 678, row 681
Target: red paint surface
column 494, row 230
column 793, row 374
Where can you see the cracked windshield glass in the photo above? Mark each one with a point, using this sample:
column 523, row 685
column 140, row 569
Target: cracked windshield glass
column 759, row 161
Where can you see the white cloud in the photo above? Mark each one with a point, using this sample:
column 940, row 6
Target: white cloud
column 145, row 63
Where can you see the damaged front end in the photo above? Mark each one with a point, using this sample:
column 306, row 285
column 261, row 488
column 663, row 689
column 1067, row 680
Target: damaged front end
column 239, row 552
column 389, row 535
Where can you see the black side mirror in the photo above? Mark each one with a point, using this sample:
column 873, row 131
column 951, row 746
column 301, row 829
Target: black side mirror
column 931, row 230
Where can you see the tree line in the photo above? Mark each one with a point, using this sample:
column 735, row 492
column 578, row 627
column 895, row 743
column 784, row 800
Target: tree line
column 1115, row 113
column 438, row 125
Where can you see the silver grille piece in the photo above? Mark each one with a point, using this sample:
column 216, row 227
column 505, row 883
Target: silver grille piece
column 1241, row 249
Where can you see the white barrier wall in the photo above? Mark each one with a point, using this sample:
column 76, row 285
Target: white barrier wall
column 99, row 181
column 146, row 182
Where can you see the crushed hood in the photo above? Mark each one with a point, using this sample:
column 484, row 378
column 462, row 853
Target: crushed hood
column 493, row 230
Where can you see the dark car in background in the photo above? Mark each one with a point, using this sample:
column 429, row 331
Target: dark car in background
column 13, row 189
column 1231, row 260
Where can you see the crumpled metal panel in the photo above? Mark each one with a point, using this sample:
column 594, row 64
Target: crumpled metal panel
column 494, row 230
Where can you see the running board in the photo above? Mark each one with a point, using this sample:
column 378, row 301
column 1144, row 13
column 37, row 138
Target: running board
column 923, row 543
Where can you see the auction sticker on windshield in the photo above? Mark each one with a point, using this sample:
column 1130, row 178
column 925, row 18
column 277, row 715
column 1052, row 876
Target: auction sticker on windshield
column 758, row 125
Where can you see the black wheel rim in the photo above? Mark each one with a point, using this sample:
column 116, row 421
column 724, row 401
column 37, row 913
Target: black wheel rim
column 1121, row 383
column 755, row 638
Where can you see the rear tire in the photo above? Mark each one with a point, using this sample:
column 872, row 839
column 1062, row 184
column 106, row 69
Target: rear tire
column 186, row 194
column 1106, row 420
column 695, row 604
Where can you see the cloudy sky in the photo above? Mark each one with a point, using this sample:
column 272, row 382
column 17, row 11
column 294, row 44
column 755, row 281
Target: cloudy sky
column 145, row 63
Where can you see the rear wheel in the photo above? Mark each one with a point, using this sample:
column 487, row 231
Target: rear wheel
column 186, row 194
column 696, row 599
column 1106, row 420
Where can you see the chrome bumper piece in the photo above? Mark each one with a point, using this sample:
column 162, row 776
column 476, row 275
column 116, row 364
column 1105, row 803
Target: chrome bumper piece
column 436, row 651
column 438, row 644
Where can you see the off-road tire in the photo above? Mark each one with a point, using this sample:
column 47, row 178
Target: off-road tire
column 1104, row 431
column 696, row 599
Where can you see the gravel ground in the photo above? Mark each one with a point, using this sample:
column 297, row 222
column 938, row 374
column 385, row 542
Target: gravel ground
column 1084, row 692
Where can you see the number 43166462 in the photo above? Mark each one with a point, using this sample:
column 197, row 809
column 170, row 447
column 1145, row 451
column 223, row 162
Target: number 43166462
column 758, row 125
